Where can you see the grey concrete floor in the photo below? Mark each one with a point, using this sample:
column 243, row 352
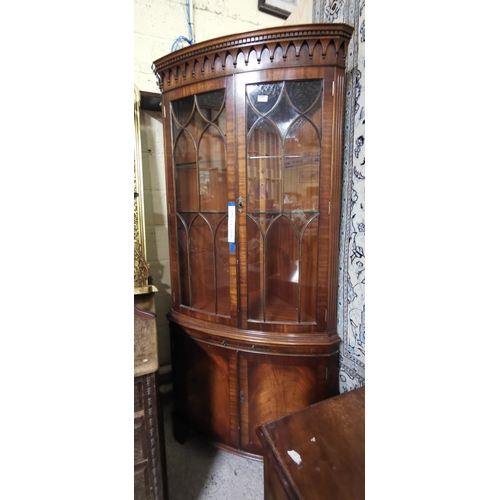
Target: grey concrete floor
column 197, row 470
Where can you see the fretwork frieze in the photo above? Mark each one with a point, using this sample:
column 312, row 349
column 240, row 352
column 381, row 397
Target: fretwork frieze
column 263, row 50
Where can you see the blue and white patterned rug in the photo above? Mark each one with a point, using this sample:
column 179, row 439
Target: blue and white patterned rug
column 351, row 293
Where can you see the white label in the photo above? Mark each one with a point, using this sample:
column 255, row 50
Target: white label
column 262, row 98
column 231, row 222
column 295, row 456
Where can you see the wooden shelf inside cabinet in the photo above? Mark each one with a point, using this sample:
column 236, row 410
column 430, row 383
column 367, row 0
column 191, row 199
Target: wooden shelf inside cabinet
column 254, row 291
column 191, row 164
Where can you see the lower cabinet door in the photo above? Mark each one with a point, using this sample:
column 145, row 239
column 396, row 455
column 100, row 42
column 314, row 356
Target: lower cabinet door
column 204, row 382
column 223, row 394
column 273, row 386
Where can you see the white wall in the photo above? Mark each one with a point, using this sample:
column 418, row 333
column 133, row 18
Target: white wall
column 157, row 23
column 155, row 218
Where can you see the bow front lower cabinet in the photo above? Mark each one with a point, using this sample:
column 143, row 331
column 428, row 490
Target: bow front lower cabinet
column 253, row 128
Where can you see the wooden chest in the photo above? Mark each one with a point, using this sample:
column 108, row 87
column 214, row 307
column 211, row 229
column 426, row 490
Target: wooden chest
column 329, row 437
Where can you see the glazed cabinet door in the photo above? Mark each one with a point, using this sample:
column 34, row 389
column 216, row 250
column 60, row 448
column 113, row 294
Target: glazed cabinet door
column 284, row 137
column 199, row 139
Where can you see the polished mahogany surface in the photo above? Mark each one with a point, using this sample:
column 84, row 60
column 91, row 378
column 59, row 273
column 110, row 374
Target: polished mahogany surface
column 329, row 437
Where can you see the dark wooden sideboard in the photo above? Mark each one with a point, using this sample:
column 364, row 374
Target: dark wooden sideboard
column 148, row 441
column 150, row 479
column 330, row 439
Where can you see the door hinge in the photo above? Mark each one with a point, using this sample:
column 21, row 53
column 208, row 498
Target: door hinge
column 326, row 313
column 333, row 89
column 329, row 207
column 165, row 111
column 173, row 296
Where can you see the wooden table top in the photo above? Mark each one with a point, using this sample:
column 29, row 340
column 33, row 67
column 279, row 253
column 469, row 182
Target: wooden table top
column 330, row 438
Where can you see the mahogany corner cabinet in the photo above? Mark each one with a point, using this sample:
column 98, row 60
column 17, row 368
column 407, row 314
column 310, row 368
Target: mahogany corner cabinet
column 253, row 130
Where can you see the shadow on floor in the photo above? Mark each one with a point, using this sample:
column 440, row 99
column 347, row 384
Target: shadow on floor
column 198, row 470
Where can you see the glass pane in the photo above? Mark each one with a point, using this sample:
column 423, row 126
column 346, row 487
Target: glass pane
column 282, row 272
column 264, row 185
column 202, row 265
column 314, row 115
column 184, row 150
column 196, row 126
column 221, row 122
column 301, row 176
column 264, row 96
column 264, row 140
column 214, row 220
column 210, row 104
column 300, row 219
column 301, row 186
column 183, row 261
column 213, row 171
column 252, row 117
column 186, row 189
column 222, row 255
column 283, row 115
column 309, row 272
column 182, row 109
column 185, row 173
column 302, row 139
column 304, row 94
column 255, row 265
